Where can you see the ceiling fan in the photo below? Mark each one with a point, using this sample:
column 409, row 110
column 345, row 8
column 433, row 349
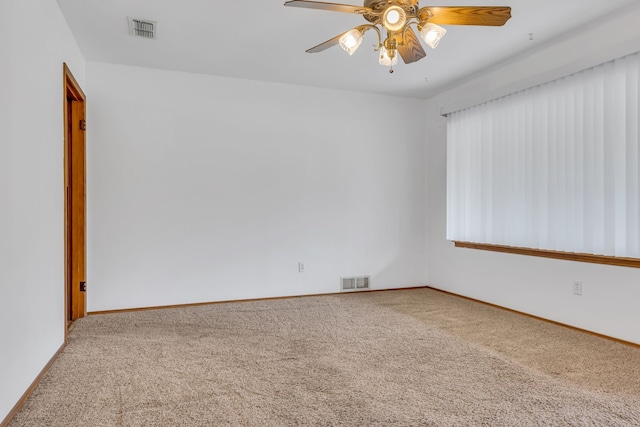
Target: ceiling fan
column 396, row 17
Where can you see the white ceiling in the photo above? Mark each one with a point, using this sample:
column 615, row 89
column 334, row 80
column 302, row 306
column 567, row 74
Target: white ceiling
column 263, row 40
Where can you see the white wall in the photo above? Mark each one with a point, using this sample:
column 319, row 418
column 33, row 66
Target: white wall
column 34, row 42
column 539, row 286
column 203, row 188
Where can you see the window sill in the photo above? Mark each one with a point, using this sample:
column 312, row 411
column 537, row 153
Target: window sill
column 568, row 256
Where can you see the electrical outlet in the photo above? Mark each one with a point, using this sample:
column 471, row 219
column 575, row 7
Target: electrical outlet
column 301, row 267
column 577, row 287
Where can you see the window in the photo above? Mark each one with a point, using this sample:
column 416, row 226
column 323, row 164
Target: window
column 552, row 168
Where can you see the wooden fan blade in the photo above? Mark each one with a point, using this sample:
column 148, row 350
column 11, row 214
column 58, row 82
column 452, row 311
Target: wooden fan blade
column 326, row 45
column 467, row 15
column 334, row 7
column 411, row 50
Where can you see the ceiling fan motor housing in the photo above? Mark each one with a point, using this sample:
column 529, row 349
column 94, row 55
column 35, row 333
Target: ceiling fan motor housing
column 379, row 6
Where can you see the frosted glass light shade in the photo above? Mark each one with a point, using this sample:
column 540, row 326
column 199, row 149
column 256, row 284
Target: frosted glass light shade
column 385, row 58
column 432, row 34
column 394, row 18
column 350, row 41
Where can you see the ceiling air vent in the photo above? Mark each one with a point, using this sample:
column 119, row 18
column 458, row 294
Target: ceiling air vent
column 350, row 284
column 143, row 28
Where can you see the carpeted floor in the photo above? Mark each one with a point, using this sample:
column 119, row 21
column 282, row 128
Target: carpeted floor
column 408, row 358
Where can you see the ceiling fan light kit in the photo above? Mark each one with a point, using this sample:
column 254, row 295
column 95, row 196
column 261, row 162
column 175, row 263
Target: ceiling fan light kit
column 388, row 58
column 396, row 18
column 351, row 40
column 432, row 34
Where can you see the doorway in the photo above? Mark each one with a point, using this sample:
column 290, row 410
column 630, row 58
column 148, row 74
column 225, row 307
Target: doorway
column 75, row 198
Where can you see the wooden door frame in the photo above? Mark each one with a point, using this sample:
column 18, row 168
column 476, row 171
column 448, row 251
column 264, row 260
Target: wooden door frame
column 74, row 299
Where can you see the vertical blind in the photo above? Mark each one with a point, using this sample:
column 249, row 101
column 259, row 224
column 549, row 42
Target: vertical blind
column 554, row 167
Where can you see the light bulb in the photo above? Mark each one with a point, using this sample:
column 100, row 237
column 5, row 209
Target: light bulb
column 393, row 17
column 350, row 41
column 432, row 34
column 388, row 58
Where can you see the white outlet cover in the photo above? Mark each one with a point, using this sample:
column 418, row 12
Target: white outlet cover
column 577, row 287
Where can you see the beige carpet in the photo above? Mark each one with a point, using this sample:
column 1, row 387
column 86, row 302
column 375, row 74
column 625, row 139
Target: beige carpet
column 408, row 358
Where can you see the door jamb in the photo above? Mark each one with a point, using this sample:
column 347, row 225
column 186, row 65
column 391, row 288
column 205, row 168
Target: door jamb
column 74, row 300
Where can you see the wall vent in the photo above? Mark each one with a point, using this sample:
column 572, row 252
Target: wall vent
column 356, row 283
column 143, row 28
